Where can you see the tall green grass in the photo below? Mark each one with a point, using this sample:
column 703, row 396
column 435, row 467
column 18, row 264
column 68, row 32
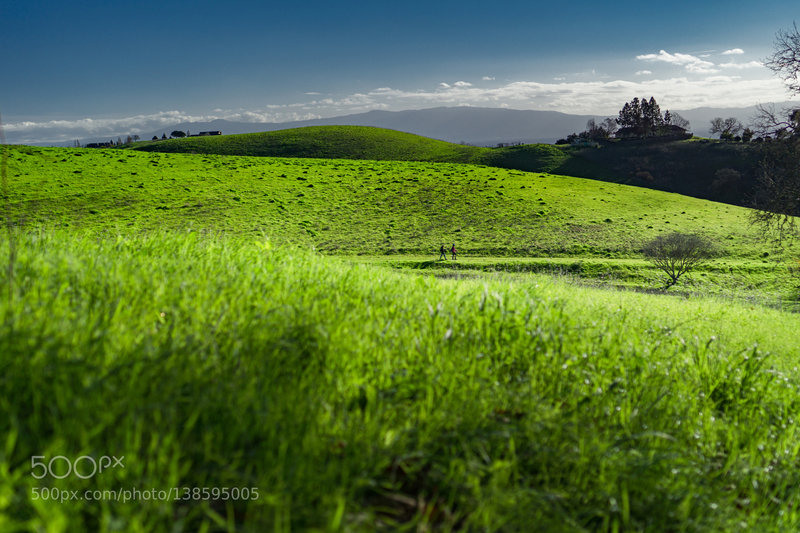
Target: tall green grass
column 358, row 398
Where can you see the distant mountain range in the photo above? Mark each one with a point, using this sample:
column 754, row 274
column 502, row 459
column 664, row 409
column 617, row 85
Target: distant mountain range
column 466, row 125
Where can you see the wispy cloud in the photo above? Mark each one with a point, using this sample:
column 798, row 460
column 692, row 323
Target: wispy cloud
column 488, row 78
column 733, row 52
column 643, row 72
column 689, row 62
column 740, row 66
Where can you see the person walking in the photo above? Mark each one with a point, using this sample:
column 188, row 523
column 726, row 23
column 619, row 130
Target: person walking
column 453, row 251
column 442, row 253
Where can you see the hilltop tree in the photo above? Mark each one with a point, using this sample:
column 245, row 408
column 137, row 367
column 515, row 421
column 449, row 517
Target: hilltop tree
column 727, row 128
column 676, row 120
column 610, row 125
column 630, row 116
column 178, row 134
column 642, row 117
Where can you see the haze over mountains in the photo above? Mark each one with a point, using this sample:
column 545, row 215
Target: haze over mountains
column 468, row 125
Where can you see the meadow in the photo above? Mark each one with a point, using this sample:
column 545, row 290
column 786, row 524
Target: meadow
column 361, row 398
column 281, row 324
column 400, row 209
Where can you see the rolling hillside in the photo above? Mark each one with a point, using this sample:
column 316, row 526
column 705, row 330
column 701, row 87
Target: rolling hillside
column 327, row 142
column 170, row 309
column 374, row 207
column 713, row 170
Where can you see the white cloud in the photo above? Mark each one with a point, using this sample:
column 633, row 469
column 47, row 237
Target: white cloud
column 689, row 62
column 733, row 52
column 595, row 97
column 462, row 84
column 740, row 66
column 488, row 78
column 643, row 72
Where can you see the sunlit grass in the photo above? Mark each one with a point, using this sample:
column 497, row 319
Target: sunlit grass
column 360, row 398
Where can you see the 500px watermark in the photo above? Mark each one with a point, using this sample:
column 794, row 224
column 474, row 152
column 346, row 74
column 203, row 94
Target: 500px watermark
column 84, row 467
column 133, row 494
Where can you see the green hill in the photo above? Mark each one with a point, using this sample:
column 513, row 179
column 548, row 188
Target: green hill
column 374, row 207
column 707, row 169
column 328, row 142
column 169, row 309
column 394, row 209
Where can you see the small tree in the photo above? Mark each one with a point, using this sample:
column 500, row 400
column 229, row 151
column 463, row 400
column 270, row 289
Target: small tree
column 727, row 128
column 676, row 120
column 178, row 134
column 610, row 125
column 677, row 253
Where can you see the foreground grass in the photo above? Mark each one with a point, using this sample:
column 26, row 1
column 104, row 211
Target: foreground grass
column 355, row 397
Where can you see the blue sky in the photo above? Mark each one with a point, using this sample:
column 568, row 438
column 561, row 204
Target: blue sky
column 73, row 69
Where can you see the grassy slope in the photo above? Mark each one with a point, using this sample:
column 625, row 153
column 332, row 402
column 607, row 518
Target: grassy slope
column 363, row 206
column 370, row 207
column 329, row 142
column 358, row 398
column 687, row 167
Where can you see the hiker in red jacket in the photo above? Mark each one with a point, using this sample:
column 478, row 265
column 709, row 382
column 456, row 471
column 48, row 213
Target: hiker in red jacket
column 453, row 251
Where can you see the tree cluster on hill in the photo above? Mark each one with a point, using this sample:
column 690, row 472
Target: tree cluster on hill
column 637, row 119
column 643, row 118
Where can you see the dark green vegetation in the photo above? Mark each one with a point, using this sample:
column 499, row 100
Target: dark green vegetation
column 714, row 170
column 170, row 308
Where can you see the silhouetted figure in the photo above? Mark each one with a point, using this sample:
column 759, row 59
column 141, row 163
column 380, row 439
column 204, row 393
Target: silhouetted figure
column 453, row 251
column 442, row 253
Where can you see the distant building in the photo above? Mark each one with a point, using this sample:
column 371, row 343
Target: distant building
column 206, row 133
column 666, row 132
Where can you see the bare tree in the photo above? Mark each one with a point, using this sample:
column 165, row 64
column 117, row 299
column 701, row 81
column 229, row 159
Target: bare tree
column 677, row 253
column 610, row 125
column 777, row 198
column 785, row 60
column 776, row 124
column 727, row 128
column 677, row 120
